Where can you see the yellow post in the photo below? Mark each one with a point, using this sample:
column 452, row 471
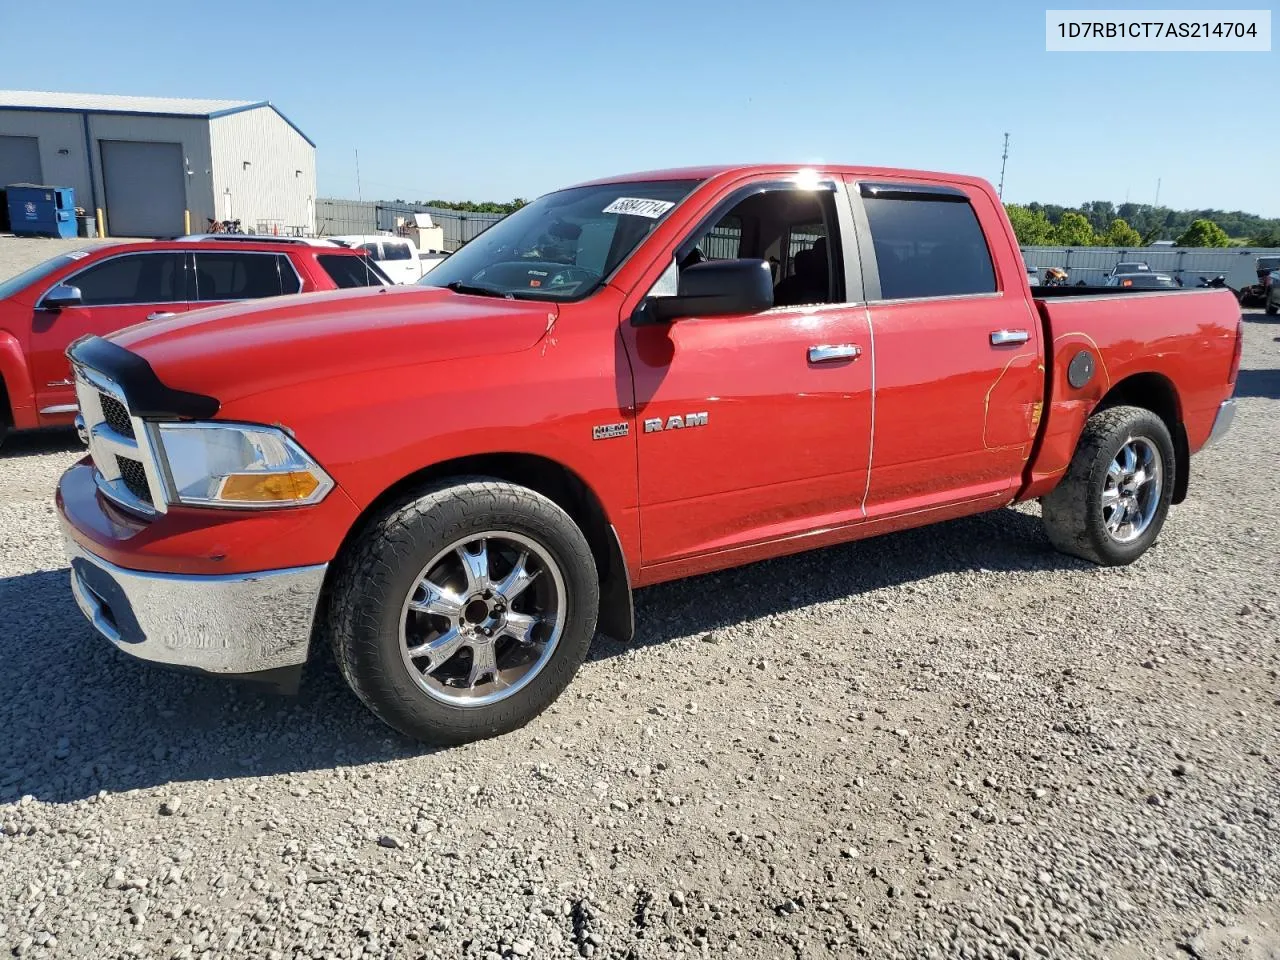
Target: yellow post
column 186, row 222
column 102, row 227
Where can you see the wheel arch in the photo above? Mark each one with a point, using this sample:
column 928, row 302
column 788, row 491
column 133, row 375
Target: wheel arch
column 557, row 483
column 1157, row 393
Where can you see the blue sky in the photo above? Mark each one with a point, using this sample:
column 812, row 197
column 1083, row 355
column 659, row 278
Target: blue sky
column 491, row 99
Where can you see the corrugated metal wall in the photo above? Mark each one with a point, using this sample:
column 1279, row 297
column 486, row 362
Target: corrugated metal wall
column 264, row 174
column 55, row 131
column 1189, row 264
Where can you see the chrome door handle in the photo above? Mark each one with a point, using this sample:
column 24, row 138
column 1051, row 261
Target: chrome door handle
column 1001, row 338
column 828, row 352
column 161, row 314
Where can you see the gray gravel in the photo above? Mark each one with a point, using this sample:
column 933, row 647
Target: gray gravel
column 950, row 742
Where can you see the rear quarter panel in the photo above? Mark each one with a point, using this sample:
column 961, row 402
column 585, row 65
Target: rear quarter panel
column 1185, row 336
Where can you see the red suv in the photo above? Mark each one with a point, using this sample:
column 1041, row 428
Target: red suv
column 105, row 288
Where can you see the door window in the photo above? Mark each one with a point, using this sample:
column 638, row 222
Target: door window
column 396, row 251
column 140, row 278
column 928, row 247
column 788, row 228
column 372, row 250
column 238, row 276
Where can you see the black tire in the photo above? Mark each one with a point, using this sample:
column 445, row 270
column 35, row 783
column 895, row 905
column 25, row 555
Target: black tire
column 380, row 569
column 1272, row 310
column 1073, row 512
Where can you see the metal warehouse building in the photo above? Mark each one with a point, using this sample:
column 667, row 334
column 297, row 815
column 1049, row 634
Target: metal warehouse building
column 149, row 162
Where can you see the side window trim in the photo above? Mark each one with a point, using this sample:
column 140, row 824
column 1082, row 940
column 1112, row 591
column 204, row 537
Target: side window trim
column 71, row 277
column 845, row 239
column 937, row 193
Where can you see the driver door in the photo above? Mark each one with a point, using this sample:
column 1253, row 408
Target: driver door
column 755, row 427
column 116, row 292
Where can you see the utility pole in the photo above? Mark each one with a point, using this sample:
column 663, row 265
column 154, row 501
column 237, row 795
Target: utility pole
column 1004, row 157
column 359, row 195
column 1157, row 193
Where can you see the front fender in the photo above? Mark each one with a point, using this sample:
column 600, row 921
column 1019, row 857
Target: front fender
column 17, row 383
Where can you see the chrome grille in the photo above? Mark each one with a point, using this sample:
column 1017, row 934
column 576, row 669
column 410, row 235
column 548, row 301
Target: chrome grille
column 116, row 414
column 125, row 469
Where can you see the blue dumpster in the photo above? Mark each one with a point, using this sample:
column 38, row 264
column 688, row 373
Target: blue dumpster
column 41, row 211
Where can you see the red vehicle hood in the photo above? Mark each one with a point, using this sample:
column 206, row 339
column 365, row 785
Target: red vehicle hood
column 241, row 349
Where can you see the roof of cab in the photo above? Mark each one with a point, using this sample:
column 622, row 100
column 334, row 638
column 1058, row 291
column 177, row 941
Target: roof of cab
column 784, row 169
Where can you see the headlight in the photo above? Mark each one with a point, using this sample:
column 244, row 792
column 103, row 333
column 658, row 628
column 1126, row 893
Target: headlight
column 239, row 465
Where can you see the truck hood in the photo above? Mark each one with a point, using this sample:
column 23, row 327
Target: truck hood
column 238, row 350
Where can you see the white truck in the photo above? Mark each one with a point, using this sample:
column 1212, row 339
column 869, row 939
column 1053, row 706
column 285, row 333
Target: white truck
column 399, row 257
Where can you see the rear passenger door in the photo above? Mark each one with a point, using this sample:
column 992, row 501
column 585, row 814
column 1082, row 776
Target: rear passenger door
column 224, row 275
column 959, row 380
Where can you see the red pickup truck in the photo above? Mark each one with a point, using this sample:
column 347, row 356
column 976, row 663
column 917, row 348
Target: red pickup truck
column 104, row 288
column 624, row 382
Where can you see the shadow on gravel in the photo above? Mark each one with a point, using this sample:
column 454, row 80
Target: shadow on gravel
column 38, row 442
column 1259, row 383
column 76, row 716
column 1001, row 541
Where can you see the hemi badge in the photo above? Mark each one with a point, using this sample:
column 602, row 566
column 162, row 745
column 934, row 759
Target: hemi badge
column 607, row 430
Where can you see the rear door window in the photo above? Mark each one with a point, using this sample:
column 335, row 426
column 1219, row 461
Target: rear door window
column 372, row 250
column 930, row 247
column 238, row 276
column 347, row 271
column 289, row 281
column 140, row 278
column 396, row 251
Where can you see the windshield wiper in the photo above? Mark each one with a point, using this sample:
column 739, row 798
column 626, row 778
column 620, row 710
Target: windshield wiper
column 459, row 286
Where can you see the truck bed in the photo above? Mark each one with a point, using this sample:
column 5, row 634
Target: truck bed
column 1058, row 293
column 1179, row 342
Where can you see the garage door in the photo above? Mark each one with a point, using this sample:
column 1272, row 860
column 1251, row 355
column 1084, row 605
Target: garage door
column 145, row 186
column 19, row 160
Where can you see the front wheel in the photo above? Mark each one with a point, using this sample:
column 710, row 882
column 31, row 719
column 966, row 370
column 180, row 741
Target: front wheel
column 1272, row 309
column 1113, row 500
column 464, row 612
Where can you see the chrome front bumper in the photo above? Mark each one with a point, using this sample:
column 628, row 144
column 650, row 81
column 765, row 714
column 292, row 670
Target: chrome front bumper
column 1222, row 423
column 238, row 624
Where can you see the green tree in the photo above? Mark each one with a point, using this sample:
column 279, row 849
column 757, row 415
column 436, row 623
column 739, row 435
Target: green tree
column 1032, row 227
column 1203, row 233
column 1120, row 234
column 1074, row 230
column 1267, row 239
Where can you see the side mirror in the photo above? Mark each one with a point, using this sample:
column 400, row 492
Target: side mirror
column 63, row 295
column 713, row 288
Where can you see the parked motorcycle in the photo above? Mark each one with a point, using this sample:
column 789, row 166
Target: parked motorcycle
column 1055, row 277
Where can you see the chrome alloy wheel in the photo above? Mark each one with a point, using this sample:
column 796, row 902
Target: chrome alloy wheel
column 483, row 618
column 1131, row 493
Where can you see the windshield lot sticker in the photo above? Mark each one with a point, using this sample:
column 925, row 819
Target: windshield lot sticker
column 639, row 207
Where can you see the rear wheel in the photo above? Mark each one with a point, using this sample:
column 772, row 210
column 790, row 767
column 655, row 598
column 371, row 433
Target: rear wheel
column 1272, row 309
column 463, row 613
column 1113, row 500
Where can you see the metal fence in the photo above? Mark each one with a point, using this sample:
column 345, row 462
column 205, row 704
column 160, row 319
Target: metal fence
column 336, row 217
column 1188, row 264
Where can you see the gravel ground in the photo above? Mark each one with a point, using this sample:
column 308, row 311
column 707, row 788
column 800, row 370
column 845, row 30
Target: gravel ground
column 951, row 742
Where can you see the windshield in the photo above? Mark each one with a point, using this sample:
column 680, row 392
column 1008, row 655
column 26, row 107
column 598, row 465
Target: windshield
column 1131, row 267
column 23, row 280
column 562, row 246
